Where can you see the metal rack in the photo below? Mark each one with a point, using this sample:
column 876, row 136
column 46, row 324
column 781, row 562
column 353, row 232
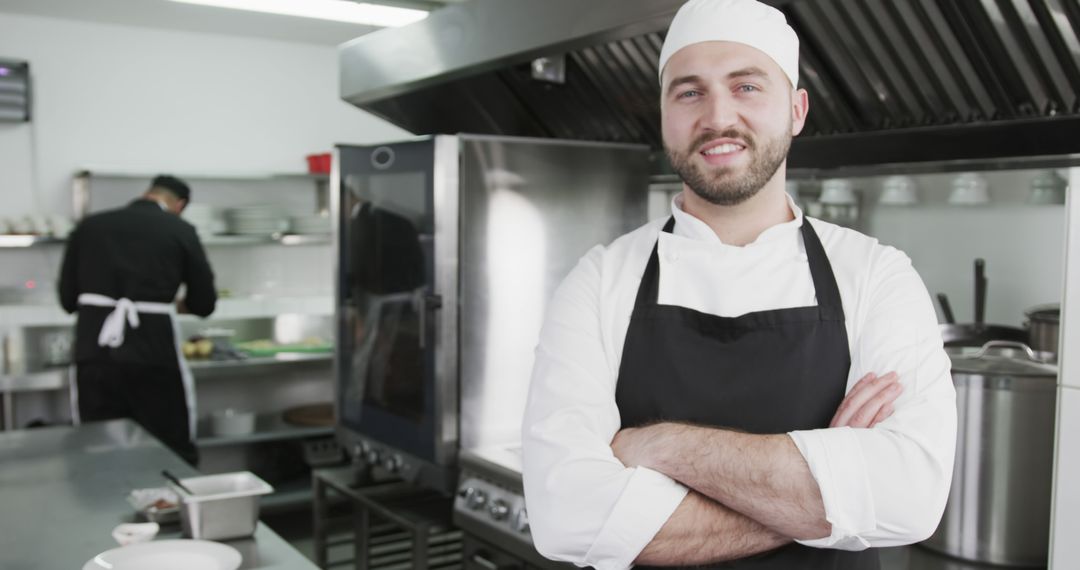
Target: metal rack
column 395, row 525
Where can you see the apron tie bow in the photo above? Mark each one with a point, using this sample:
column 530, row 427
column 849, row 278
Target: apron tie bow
column 112, row 330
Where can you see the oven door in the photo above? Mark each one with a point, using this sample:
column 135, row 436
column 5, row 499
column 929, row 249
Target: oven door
column 388, row 298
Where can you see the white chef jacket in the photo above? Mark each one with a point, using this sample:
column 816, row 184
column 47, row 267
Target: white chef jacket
column 883, row 486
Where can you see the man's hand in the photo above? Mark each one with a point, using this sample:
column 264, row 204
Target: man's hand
column 869, row 403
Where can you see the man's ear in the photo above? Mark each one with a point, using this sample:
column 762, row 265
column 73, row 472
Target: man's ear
column 800, row 106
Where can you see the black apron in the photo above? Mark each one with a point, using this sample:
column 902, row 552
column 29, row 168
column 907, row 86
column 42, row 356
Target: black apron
column 767, row 372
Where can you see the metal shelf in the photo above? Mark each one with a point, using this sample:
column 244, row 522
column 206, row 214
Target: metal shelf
column 28, row 240
column 283, row 239
column 268, row 427
column 254, row 362
column 21, row 241
column 235, row 176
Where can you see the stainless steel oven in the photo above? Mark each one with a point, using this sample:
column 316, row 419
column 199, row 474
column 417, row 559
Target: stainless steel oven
column 447, row 250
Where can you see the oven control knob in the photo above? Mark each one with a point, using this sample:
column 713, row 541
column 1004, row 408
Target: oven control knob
column 499, row 510
column 477, row 500
column 392, row 463
column 521, row 521
column 466, row 493
column 373, row 456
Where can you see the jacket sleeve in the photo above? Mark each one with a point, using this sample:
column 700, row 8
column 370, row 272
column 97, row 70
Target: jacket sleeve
column 585, row 506
column 68, row 284
column 201, row 297
column 887, row 485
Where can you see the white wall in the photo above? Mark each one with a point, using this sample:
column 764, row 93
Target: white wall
column 165, row 101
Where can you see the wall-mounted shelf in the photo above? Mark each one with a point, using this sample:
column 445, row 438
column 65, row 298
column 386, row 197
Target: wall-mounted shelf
column 268, row 427
column 201, row 368
column 28, row 240
column 82, row 183
column 22, row 241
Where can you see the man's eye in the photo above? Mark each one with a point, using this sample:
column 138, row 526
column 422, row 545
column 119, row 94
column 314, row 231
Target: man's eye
column 747, row 88
column 688, row 94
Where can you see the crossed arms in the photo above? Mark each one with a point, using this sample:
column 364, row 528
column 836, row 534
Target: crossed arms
column 755, row 490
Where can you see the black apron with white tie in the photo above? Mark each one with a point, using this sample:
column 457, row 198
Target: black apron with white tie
column 766, row 372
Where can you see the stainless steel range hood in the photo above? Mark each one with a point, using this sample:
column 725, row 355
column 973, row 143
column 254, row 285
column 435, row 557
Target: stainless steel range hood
column 889, row 80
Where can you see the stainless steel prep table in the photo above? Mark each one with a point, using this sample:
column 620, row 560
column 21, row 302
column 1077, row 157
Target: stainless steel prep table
column 63, row 490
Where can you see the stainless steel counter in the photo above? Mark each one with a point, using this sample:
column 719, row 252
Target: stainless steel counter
column 918, row 558
column 63, row 490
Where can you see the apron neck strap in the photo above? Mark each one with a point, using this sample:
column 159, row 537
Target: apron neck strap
column 828, row 294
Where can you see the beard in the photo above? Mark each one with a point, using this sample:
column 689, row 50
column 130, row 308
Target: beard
column 723, row 186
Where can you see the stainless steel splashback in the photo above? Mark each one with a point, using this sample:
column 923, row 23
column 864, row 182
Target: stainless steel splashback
column 529, row 210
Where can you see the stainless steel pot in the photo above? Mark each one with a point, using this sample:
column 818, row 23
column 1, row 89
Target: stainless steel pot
column 1043, row 324
column 999, row 504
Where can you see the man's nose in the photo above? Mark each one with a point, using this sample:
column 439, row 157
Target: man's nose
column 719, row 114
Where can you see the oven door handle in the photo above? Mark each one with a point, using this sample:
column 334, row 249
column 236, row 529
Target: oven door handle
column 427, row 303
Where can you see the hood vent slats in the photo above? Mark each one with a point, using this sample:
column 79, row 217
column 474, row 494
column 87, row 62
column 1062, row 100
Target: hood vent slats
column 869, row 65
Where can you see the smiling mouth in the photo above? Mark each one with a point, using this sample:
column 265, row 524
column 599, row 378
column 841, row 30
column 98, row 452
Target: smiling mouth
column 727, row 148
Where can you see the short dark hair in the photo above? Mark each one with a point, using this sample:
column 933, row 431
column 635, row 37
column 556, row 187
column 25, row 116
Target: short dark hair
column 174, row 185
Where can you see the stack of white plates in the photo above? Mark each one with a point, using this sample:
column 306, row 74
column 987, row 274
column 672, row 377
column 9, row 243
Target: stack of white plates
column 256, row 220
column 204, row 217
column 312, row 224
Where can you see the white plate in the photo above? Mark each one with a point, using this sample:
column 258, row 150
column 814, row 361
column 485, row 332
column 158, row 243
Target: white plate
column 168, row 555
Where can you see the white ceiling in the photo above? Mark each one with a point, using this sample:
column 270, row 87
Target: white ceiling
column 169, row 15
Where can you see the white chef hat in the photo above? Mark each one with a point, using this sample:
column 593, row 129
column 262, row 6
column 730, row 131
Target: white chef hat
column 744, row 21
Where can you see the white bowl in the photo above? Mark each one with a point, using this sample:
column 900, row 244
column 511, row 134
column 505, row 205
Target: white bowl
column 132, row 533
column 230, row 422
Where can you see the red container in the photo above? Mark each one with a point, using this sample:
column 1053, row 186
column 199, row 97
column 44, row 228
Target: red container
column 318, row 163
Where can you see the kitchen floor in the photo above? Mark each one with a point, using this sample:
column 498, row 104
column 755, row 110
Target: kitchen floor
column 295, row 527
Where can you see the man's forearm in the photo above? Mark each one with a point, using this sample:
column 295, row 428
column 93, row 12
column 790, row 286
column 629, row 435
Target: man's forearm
column 761, row 476
column 702, row 531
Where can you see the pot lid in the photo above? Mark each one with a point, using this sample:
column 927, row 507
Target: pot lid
column 1050, row 312
column 1002, row 358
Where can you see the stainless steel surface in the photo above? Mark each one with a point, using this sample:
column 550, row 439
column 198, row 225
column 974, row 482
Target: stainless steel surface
column 481, row 35
column 448, row 188
column 75, row 480
column 999, row 503
column 529, row 211
column 917, row 557
column 490, row 506
column 511, row 217
column 871, row 66
column 1043, row 324
column 1065, row 548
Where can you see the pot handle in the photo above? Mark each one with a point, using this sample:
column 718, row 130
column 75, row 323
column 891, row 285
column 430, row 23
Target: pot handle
column 1007, row 344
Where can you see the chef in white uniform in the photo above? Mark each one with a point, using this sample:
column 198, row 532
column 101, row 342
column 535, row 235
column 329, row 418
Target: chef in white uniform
column 737, row 385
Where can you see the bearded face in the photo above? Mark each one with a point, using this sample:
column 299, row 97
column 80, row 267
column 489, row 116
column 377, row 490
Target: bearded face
column 730, row 185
